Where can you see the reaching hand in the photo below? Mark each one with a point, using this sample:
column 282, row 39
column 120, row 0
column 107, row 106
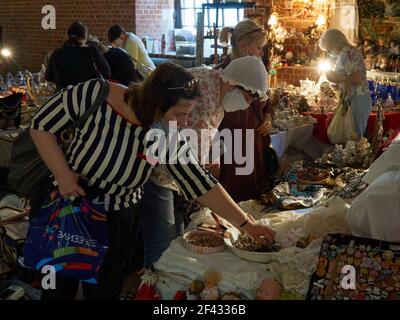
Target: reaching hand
column 259, row 232
column 68, row 185
column 265, row 127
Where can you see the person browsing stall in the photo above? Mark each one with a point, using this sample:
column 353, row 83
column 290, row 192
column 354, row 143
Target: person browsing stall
column 122, row 67
column 134, row 46
column 233, row 88
column 247, row 39
column 350, row 75
column 109, row 150
column 75, row 61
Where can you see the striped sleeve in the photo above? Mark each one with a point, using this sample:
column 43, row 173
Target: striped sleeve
column 64, row 108
column 192, row 179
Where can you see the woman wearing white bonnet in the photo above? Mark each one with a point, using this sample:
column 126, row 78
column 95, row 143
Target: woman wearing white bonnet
column 248, row 38
column 232, row 89
column 248, row 74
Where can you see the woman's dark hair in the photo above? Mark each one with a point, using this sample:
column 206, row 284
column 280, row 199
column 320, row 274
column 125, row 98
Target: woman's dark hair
column 153, row 97
column 115, row 32
column 77, row 32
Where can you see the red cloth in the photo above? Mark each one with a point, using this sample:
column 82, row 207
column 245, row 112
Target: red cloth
column 391, row 122
column 180, row 295
column 321, row 127
column 147, row 292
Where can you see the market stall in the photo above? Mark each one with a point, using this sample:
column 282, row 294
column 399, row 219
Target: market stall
column 30, row 91
column 305, row 222
column 333, row 204
column 297, row 137
column 391, row 122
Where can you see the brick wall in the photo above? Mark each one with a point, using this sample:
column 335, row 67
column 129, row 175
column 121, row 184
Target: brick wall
column 22, row 30
column 287, row 11
column 293, row 75
column 154, row 17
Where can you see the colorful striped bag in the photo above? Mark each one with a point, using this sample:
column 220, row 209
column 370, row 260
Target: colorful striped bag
column 69, row 235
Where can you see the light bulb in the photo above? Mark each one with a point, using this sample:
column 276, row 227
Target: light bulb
column 273, row 20
column 6, row 52
column 321, row 21
column 324, row 66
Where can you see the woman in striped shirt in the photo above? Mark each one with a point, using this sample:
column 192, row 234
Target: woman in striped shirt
column 109, row 151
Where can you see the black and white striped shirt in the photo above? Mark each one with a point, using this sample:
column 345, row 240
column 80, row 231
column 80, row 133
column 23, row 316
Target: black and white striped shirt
column 109, row 150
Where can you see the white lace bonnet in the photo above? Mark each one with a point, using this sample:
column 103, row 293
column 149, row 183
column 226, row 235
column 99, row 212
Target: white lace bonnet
column 249, row 73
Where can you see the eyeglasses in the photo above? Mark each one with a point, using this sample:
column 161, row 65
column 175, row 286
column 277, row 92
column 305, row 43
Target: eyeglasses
column 189, row 87
column 259, row 29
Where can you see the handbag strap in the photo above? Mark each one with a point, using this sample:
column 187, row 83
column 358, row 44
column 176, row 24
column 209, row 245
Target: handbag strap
column 101, row 97
column 91, row 48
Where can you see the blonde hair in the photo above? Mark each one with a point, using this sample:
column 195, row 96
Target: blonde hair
column 245, row 32
column 333, row 38
column 212, row 275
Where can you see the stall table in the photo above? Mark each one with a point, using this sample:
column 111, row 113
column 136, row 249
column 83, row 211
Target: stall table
column 391, row 122
column 178, row 266
column 297, row 137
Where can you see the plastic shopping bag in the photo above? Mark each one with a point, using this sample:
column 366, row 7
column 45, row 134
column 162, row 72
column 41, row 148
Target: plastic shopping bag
column 342, row 129
column 69, row 235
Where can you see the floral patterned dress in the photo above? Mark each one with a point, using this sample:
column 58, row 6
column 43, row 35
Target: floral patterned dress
column 207, row 114
column 349, row 61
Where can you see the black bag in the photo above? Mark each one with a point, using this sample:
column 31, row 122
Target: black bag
column 10, row 108
column 96, row 68
column 27, row 171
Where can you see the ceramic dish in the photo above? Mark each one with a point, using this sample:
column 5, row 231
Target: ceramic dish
column 216, row 242
column 261, row 257
column 313, row 176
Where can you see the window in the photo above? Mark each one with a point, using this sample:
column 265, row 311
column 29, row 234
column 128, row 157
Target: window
column 186, row 14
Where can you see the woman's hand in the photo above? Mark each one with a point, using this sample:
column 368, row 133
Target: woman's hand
column 68, row 185
column 53, row 157
column 259, row 232
column 265, row 127
column 219, row 201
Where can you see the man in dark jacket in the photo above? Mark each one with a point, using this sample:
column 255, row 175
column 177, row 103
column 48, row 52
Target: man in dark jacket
column 121, row 66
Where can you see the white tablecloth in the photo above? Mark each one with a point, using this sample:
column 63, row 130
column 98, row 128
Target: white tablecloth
column 297, row 137
column 6, row 138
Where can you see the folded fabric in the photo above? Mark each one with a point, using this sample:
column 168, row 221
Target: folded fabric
column 389, row 160
column 237, row 275
column 375, row 213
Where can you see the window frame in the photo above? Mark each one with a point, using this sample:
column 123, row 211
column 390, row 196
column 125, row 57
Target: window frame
column 178, row 20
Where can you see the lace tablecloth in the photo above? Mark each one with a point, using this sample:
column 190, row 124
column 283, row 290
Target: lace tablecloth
column 292, row 266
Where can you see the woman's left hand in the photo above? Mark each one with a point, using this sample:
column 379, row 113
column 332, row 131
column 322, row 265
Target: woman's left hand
column 259, row 232
column 265, row 127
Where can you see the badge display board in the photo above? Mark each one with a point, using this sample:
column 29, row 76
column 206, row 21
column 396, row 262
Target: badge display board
column 353, row 268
